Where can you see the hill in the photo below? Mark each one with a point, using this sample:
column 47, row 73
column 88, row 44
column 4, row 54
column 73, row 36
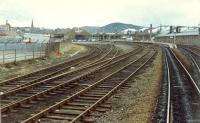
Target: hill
column 112, row 27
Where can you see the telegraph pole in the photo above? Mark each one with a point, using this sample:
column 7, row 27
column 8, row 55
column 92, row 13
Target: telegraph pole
column 175, row 37
column 150, row 32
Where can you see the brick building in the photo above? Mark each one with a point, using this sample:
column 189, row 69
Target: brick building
column 5, row 29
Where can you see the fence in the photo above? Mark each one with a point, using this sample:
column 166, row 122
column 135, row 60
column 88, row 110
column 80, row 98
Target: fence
column 12, row 52
column 184, row 40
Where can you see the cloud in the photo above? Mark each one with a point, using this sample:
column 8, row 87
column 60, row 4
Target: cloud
column 69, row 13
column 17, row 15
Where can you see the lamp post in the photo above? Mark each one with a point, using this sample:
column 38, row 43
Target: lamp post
column 1, row 93
column 171, row 39
column 174, row 38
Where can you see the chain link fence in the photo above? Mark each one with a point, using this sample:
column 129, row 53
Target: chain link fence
column 12, row 52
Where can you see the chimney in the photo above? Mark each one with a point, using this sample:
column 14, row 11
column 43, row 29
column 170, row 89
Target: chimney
column 171, row 29
column 199, row 30
column 32, row 26
column 178, row 29
column 160, row 27
column 150, row 31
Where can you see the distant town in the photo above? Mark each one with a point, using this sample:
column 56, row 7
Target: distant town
column 113, row 31
column 100, row 61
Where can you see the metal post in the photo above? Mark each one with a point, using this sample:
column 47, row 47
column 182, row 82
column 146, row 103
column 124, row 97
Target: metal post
column 175, row 38
column 40, row 49
column 15, row 56
column 33, row 53
column 150, row 35
column 25, row 51
column 47, row 49
column 1, row 93
column 3, row 55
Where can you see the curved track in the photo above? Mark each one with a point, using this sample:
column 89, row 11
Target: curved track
column 179, row 100
column 29, row 95
column 79, row 105
column 195, row 59
column 8, row 97
column 45, row 73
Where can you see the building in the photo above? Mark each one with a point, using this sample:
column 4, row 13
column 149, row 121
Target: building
column 5, row 29
column 106, row 36
column 32, row 26
column 178, row 35
column 77, row 34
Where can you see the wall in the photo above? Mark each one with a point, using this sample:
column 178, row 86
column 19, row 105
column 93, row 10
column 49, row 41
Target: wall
column 187, row 40
column 52, row 47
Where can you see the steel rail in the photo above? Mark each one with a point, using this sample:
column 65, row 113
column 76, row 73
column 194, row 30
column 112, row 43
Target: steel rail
column 110, row 92
column 191, row 54
column 43, row 69
column 35, row 117
column 50, row 74
column 187, row 73
column 180, row 108
column 168, row 118
column 30, row 85
column 17, row 103
column 190, row 50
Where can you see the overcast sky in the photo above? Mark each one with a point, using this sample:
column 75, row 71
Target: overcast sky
column 70, row 13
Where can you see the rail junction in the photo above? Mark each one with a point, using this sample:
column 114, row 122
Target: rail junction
column 73, row 90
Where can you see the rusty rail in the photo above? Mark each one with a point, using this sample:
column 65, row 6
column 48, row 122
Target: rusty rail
column 106, row 64
column 100, row 100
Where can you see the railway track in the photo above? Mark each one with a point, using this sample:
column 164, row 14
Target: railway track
column 66, row 75
column 78, row 106
column 41, row 84
column 195, row 49
column 192, row 51
column 161, row 113
column 195, row 59
column 46, row 73
column 179, row 100
column 61, row 86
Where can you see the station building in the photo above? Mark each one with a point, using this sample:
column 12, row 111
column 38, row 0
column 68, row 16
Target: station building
column 187, row 37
